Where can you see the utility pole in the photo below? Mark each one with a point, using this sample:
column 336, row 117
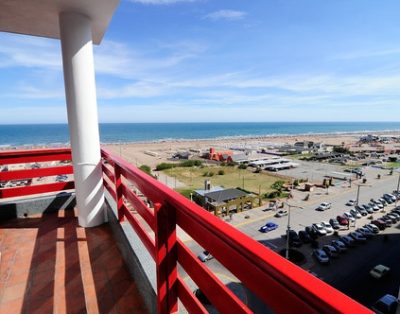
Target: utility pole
column 398, row 185
column 288, row 228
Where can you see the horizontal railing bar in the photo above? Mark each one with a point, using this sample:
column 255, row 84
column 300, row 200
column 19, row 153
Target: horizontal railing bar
column 108, row 172
column 143, row 235
column 36, row 189
column 219, row 295
column 28, row 156
column 139, row 206
column 188, row 299
column 34, row 173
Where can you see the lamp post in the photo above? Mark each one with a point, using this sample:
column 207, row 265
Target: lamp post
column 288, row 228
column 398, row 185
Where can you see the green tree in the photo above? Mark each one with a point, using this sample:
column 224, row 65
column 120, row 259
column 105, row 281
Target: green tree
column 145, row 168
column 278, row 186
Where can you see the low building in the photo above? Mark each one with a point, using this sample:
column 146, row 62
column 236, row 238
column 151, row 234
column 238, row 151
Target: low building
column 223, row 201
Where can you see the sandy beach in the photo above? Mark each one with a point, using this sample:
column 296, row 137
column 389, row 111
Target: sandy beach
column 136, row 152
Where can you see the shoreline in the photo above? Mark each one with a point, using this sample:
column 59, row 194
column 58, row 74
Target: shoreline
column 218, row 138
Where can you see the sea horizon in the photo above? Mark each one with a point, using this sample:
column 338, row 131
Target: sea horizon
column 58, row 134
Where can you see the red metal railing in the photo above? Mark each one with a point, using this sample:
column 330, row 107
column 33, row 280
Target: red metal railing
column 34, row 156
column 280, row 284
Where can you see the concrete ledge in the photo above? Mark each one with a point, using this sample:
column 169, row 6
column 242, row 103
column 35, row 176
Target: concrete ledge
column 24, row 207
column 140, row 264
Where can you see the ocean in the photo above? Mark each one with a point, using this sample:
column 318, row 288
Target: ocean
column 57, row 134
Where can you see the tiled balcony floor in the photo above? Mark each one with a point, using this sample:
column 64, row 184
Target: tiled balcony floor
column 51, row 265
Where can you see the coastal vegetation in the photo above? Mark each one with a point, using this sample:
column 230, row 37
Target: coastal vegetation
column 228, row 177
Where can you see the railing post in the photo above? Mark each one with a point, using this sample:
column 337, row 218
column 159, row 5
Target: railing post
column 118, row 192
column 166, row 258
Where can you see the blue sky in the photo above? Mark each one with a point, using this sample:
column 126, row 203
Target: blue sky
column 219, row 60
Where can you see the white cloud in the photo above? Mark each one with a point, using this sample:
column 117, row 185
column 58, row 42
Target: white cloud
column 157, row 2
column 229, row 15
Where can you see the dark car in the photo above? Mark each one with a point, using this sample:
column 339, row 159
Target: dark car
column 311, row 232
column 343, row 221
column 294, row 239
column 388, row 220
column 379, row 223
column 331, row 251
column 334, row 223
column 304, row 236
column 368, row 209
column 361, row 210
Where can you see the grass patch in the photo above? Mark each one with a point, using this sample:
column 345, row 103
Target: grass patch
column 393, row 165
column 232, row 178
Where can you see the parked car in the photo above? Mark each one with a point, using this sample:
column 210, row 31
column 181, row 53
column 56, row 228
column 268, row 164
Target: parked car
column 304, row 236
column 379, row 223
column 327, row 226
column 393, row 216
column 339, row 245
column 349, row 216
column 361, row 210
column 379, row 271
column 348, row 241
column 269, row 226
column 387, row 221
column 281, row 213
column 324, row 206
column 311, row 232
column 355, row 213
column 374, row 207
column 368, row 209
column 319, row 229
column 330, row 250
column 365, row 232
column 343, row 221
column 377, row 202
column 205, row 256
column 358, row 237
column 334, row 223
column 388, row 196
column 294, row 239
column 350, row 202
column 373, row 228
column 321, row 256
column 386, row 305
column 383, row 201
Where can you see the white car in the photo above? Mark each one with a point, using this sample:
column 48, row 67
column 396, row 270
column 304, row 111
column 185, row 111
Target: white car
column 379, row 271
column 355, row 213
column 324, row 206
column 351, row 203
column 319, row 229
column 281, row 213
column 349, row 216
column 327, row 226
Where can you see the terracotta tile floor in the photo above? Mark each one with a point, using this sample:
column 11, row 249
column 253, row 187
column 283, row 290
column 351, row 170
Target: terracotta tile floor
column 51, row 265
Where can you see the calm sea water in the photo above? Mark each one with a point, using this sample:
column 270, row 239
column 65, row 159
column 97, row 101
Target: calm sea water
column 17, row 135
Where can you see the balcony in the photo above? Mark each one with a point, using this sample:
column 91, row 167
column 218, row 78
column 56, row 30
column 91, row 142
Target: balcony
column 137, row 261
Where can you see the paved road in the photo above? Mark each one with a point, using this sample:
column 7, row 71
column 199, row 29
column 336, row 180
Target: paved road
column 349, row 273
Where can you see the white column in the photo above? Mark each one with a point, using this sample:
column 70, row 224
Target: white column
column 80, row 90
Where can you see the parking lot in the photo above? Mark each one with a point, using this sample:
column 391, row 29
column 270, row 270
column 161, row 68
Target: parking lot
column 349, row 272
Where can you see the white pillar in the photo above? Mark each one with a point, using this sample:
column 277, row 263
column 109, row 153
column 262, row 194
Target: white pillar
column 80, row 90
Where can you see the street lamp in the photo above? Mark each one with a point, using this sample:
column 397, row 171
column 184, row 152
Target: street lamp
column 398, row 185
column 288, row 228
